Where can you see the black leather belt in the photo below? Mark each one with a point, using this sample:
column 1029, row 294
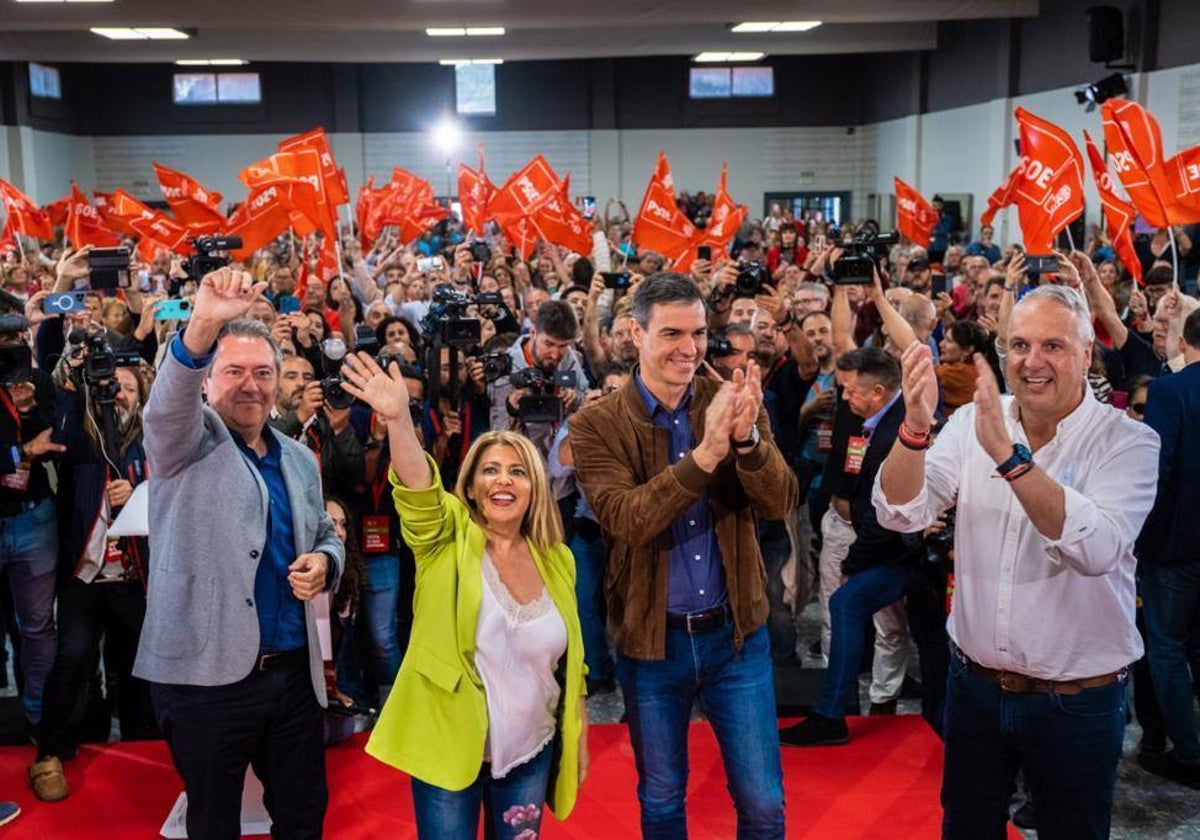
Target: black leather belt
column 267, row 661
column 701, row 622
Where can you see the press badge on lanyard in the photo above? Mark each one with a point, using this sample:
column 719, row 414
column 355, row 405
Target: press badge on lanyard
column 825, row 437
column 856, row 450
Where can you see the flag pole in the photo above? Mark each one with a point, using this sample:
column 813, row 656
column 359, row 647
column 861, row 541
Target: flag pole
column 1174, row 257
column 20, row 245
column 1070, row 238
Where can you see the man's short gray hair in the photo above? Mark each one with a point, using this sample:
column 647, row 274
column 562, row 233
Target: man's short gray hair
column 249, row 328
column 662, row 287
column 1070, row 300
column 818, row 289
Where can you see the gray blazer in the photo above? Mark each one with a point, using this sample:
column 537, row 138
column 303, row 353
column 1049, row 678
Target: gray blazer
column 208, row 526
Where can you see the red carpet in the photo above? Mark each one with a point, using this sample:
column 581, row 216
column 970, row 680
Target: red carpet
column 884, row 784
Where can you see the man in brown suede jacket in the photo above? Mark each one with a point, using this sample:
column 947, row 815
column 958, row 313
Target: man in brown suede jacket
column 677, row 469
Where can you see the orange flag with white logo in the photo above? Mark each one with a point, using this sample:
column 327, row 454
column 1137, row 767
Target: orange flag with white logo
column 725, row 220
column 660, row 225
column 190, row 202
column 260, row 218
column 1049, row 190
column 1118, row 213
column 84, row 225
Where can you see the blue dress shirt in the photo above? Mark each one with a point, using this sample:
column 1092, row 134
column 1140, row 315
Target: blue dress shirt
column 695, row 578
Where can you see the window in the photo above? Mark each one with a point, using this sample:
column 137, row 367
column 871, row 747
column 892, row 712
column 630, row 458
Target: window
column 475, row 89
column 217, row 88
column 725, row 82
column 709, row 83
column 753, row 81
column 44, row 81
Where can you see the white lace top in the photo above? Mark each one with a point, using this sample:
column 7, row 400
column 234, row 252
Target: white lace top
column 517, row 648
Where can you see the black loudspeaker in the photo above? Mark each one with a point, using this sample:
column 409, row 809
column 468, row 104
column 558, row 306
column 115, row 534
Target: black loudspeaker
column 1106, row 34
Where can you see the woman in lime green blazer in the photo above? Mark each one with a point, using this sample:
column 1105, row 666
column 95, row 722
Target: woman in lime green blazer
column 440, row 724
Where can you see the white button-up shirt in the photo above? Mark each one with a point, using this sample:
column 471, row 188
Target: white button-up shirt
column 1051, row 609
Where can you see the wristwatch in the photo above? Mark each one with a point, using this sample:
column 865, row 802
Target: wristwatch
column 1021, row 455
column 750, row 442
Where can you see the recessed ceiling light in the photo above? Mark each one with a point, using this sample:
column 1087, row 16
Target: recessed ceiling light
column 211, row 62
column 478, row 31
column 713, row 57
column 150, row 33
column 446, row 32
column 775, row 26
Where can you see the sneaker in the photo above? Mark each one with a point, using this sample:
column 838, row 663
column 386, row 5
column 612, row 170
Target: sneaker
column 48, row 780
column 816, row 731
column 888, row 708
column 1167, row 766
column 9, row 811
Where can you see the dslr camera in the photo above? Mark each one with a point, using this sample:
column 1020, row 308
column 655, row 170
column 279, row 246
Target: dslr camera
column 495, row 365
column 861, row 254
column 203, row 262
column 751, row 278
column 544, row 403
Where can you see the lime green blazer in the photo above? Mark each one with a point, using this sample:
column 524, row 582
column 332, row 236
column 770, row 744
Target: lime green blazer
column 435, row 721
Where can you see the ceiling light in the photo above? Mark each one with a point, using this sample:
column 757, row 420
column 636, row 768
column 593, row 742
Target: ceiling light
column 446, row 135
column 445, row 32
column 211, row 62
column 1097, row 93
column 459, row 62
column 711, row 57
column 477, row 31
column 775, row 26
column 64, row 1
column 150, row 33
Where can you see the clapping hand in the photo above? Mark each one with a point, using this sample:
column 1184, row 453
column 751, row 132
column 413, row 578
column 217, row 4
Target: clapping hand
column 990, row 429
column 748, row 390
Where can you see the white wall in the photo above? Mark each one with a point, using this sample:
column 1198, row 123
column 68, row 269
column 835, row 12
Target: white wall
column 963, row 150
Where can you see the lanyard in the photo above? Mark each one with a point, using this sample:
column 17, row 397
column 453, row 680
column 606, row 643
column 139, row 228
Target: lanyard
column 11, row 408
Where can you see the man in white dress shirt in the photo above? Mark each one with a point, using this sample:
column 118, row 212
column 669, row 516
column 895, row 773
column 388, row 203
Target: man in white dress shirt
column 1051, row 489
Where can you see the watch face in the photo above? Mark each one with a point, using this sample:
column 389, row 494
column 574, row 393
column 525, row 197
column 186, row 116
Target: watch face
column 1022, row 451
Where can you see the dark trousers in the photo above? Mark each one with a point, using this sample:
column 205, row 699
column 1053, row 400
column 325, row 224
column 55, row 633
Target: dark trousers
column 1068, row 747
column 269, row 720
column 1171, row 598
column 86, row 611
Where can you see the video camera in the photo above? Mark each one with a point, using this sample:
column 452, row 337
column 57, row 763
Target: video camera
column 203, row 262
column 862, row 254
column 718, row 348
column 544, row 404
column 100, row 361
column 447, row 323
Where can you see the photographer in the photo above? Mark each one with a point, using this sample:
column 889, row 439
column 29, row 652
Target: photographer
column 452, row 422
column 29, row 551
column 548, row 349
column 303, row 412
column 102, row 579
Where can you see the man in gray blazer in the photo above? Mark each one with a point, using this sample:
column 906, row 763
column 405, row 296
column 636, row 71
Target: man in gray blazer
column 240, row 545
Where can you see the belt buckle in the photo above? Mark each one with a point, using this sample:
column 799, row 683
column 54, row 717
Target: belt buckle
column 688, row 624
column 1005, row 683
column 264, row 660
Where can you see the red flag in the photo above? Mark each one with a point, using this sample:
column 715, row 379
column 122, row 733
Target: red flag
column 1183, row 171
column 1049, row 193
column 157, row 230
column 659, row 225
column 916, row 217
column 521, row 233
column 1165, row 191
column 333, row 179
column 526, row 191
column 84, row 226
column 559, row 221
column 260, row 218
column 191, row 203
column 1002, row 197
column 475, row 193
column 1118, row 213
column 298, row 176
column 366, row 198
column 724, row 221
column 58, row 211
column 407, row 202
column 23, row 216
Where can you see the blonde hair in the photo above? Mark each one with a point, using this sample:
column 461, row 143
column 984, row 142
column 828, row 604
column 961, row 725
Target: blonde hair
column 542, row 523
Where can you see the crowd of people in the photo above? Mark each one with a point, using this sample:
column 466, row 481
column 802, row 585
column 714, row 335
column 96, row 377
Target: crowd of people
column 523, row 482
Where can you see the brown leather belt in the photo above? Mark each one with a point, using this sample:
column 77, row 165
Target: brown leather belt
column 1021, row 684
column 268, row 661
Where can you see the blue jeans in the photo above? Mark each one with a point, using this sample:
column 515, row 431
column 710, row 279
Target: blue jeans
column 736, row 691
column 1171, row 607
column 591, row 561
column 28, row 555
column 1067, row 746
column 511, row 806
column 850, row 611
column 380, row 602
column 776, row 549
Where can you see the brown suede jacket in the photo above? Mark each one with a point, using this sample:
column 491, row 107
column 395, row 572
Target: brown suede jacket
column 622, row 464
